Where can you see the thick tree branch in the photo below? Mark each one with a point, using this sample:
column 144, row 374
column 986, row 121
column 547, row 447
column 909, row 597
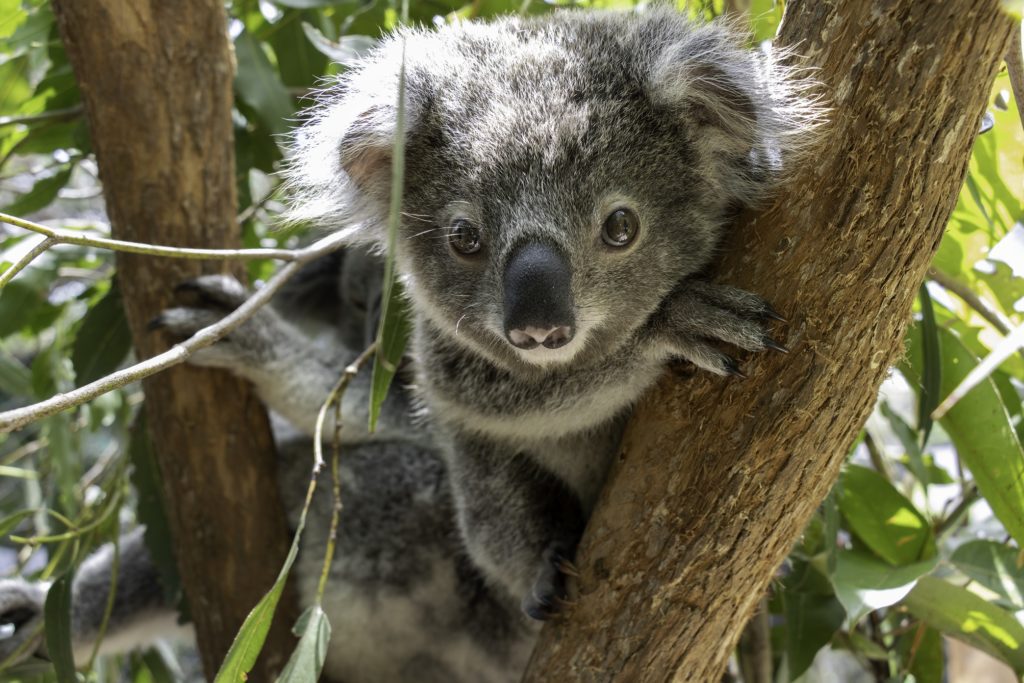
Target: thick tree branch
column 156, row 81
column 717, row 478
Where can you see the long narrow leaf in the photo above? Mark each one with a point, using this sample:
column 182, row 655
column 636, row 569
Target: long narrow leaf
column 931, row 379
column 57, row 620
column 393, row 333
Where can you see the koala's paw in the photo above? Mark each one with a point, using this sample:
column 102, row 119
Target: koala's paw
column 206, row 300
column 550, row 594
column 21, row 619
column 700, row 315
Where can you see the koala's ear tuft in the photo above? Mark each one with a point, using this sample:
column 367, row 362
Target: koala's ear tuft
column 753, row 112
column 339, row 172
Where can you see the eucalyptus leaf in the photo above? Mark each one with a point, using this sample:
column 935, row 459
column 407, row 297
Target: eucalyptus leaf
column 994, row 566
column 307, row 661
column 57, row 623
column 103, row 340
column 883, row 518
column 258, row 83
column 980, row 429
column 963, row 615
column 864, row 583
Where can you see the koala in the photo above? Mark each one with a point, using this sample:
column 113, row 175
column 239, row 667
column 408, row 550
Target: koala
column 404, row 599
column 567, row 181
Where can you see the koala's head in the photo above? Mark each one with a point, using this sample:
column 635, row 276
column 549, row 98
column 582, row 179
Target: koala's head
column 562, row 175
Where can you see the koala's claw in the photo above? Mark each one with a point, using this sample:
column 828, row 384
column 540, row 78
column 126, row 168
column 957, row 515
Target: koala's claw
column 733, row 368
column 771, row 314
column 550, row 594
column 774, row 345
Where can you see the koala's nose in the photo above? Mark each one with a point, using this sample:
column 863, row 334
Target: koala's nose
column 538, row 300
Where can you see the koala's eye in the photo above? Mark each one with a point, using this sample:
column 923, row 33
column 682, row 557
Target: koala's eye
column 620, row 228
column 464, row 237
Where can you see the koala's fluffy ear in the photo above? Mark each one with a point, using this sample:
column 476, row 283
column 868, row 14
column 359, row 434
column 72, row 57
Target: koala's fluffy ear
column 339, row 174
column 744, row 104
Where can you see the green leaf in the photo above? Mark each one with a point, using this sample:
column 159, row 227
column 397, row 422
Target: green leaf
column 345, row 50
column 258, row 83
column 811, row 620
column 299, row 61
column 393, row 337
column 864, row 583
column 103, row 340
column 57, row 623
column 307, row 661
column 931, row 376
column 994, row 566
column 393, row 334
column 921, row 649
column 42, row 193
column 963, row 615
column 981, row 430
column 883, row 518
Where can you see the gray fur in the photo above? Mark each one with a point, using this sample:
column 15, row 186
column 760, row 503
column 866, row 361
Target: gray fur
column 533, row 131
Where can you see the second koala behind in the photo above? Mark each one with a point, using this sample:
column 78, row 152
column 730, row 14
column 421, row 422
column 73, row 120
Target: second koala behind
column 567, row 181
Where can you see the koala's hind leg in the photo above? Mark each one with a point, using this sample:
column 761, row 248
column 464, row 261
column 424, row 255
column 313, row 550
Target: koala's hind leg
column 140, row 613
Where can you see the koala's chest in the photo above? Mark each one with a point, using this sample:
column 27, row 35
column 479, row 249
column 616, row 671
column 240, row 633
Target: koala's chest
column 476, row 395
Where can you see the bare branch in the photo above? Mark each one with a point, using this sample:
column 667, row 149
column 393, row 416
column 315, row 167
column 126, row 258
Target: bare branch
column 67, row 237
column 20, row 264
column 19, row 417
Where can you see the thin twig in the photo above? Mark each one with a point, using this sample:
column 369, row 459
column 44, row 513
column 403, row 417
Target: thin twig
column 19, row 417
column 54, row 115
column 971, row 298
column 20, row 264
column 334, row 398
column 68, row 237
column 967, row 499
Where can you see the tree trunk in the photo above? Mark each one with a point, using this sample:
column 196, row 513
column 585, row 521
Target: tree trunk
column 717, row 478
column 156, row 79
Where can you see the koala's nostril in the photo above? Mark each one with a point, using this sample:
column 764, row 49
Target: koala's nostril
column 558, row 337
column 531, row 337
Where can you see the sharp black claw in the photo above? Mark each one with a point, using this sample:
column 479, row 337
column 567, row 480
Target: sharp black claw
column 733, row 368
column 156, row 323
column 770, row 312
column 775, row 346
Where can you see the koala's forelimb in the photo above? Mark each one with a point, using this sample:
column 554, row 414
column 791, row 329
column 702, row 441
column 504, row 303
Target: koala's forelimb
column 179, row 353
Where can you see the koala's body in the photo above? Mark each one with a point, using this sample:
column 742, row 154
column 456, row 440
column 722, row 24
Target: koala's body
column 567, row 182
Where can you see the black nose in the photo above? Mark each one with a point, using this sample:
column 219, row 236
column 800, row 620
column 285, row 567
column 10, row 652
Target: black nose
column 538, row 300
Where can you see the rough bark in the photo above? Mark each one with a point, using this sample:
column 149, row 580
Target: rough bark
column 156, row 80
column 717, row 478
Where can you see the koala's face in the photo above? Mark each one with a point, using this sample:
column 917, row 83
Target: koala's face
column 546, row 225
column 561, row 175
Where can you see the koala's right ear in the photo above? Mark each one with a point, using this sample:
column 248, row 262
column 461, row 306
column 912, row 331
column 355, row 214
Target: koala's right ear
column 339, row 174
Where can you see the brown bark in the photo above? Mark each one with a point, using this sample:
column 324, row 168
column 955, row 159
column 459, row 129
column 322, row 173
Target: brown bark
column 156, row 79
column 717, row 478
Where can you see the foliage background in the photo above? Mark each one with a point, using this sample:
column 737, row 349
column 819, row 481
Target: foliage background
column 920, row 540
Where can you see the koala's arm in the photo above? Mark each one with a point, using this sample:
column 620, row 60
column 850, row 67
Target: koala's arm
column 292, row 372
column 697, row 316
column 140, row 613
column 520, row 523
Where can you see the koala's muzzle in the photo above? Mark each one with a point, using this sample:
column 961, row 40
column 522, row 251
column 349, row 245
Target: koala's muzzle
column 538, row 301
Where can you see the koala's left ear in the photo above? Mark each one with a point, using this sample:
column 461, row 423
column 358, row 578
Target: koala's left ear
column 339, row 174
column 745, row 103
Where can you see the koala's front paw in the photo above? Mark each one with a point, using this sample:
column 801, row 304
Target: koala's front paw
column 697, row 315
column 207, row 300
column 21, row 619
column 549, row 594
